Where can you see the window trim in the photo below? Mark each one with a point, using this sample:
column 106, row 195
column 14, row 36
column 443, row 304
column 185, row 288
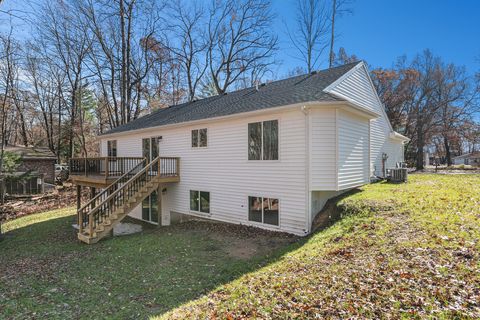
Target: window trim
column 199, row 202
column 263, row 224
column 198, row 138
column 109, row 142
column 261, row 133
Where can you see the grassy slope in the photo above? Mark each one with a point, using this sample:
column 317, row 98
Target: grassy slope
column 46, row 274
column 409, row 250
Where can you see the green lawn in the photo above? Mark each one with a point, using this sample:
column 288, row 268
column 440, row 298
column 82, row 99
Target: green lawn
column 45, row 273
column 408, row 250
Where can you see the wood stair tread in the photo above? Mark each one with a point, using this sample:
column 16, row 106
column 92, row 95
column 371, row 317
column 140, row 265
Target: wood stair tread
column 105, row 227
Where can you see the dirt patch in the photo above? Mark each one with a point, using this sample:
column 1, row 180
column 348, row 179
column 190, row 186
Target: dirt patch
column 248, row 248
column 239, row 241
column 126, row 228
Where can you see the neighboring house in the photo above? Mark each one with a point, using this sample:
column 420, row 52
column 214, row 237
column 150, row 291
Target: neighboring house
column 35, row 159
column 472, row 159
column 268, row 156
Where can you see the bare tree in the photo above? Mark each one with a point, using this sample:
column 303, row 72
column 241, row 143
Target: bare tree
column 6, row 75
column 67, row 44
column 240, row 39
column 342, row 58
column 119, row 61
column 48, row 83
column 456, row 102
column 310, row 34
column 339, row 7
column 192, row 43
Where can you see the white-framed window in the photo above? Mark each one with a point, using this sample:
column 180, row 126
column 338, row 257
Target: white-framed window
column 199, row 138
column 112, row 148
column 263, row 210
column 200, row 201
column 263, row 140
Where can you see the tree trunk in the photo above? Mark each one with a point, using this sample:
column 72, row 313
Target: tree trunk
column 420, row 145
column 72, row 124
column 332, row 38
column 448, row 154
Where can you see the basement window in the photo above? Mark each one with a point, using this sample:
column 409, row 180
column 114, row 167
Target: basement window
column 263, row 210
column 199, row 138
column 200, row 201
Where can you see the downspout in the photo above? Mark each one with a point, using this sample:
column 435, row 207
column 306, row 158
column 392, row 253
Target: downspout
column 308, row 202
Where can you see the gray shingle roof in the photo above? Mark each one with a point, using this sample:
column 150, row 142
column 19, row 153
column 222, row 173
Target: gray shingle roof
column 298, row 89
column 31, row 152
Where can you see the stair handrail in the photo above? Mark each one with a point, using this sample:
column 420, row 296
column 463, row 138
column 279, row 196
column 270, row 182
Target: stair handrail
column 90, row 215
column 127, row 182
column 83, row 212
column 114, row 183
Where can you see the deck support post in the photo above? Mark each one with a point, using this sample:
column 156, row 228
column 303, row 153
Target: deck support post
column 159, row 205
column 79, row 196
column 163, row 208
column 79, row 203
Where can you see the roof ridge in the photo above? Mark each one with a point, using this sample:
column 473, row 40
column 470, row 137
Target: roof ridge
column 315, row 72
column 287, row 91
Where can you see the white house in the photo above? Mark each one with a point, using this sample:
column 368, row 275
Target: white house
column 268, row 156
column 468, row 159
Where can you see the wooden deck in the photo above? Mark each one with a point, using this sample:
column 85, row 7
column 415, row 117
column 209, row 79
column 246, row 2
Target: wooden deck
column 93, row 180
column 119, row 194
column 101, row 172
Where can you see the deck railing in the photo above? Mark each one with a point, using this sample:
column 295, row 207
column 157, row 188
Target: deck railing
column 117, row 194
column 103, row 166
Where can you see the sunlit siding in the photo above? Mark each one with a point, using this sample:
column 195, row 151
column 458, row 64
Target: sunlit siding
column 323, row 149
column 224, row 170
column 353, row 148
column 357, row 88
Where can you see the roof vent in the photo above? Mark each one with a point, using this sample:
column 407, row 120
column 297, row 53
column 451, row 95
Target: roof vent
column 313, row 72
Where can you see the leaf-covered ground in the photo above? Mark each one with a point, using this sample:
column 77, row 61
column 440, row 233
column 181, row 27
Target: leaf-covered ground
column 401, row 251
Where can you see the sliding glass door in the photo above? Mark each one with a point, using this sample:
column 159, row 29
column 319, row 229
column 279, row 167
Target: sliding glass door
column 150, row 148
column 150, row 208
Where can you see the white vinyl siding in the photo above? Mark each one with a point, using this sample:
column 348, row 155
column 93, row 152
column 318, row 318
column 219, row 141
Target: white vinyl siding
column 225, row 171
column 353, row 148
column 323, row 149
column 357, row 88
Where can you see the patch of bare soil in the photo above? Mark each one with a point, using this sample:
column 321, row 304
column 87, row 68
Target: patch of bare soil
column 60, row 197
column 240, row 241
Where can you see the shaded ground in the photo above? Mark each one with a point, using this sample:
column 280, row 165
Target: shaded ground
column 457, row 169
column 59, row 197
column 46, row 274
column 401, row 251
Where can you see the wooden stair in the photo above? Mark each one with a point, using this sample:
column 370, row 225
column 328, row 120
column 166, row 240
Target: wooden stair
column 104, row 228
column 100, row 215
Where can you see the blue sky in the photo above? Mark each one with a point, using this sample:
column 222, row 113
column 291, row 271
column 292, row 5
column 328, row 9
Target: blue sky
column 379, row 31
